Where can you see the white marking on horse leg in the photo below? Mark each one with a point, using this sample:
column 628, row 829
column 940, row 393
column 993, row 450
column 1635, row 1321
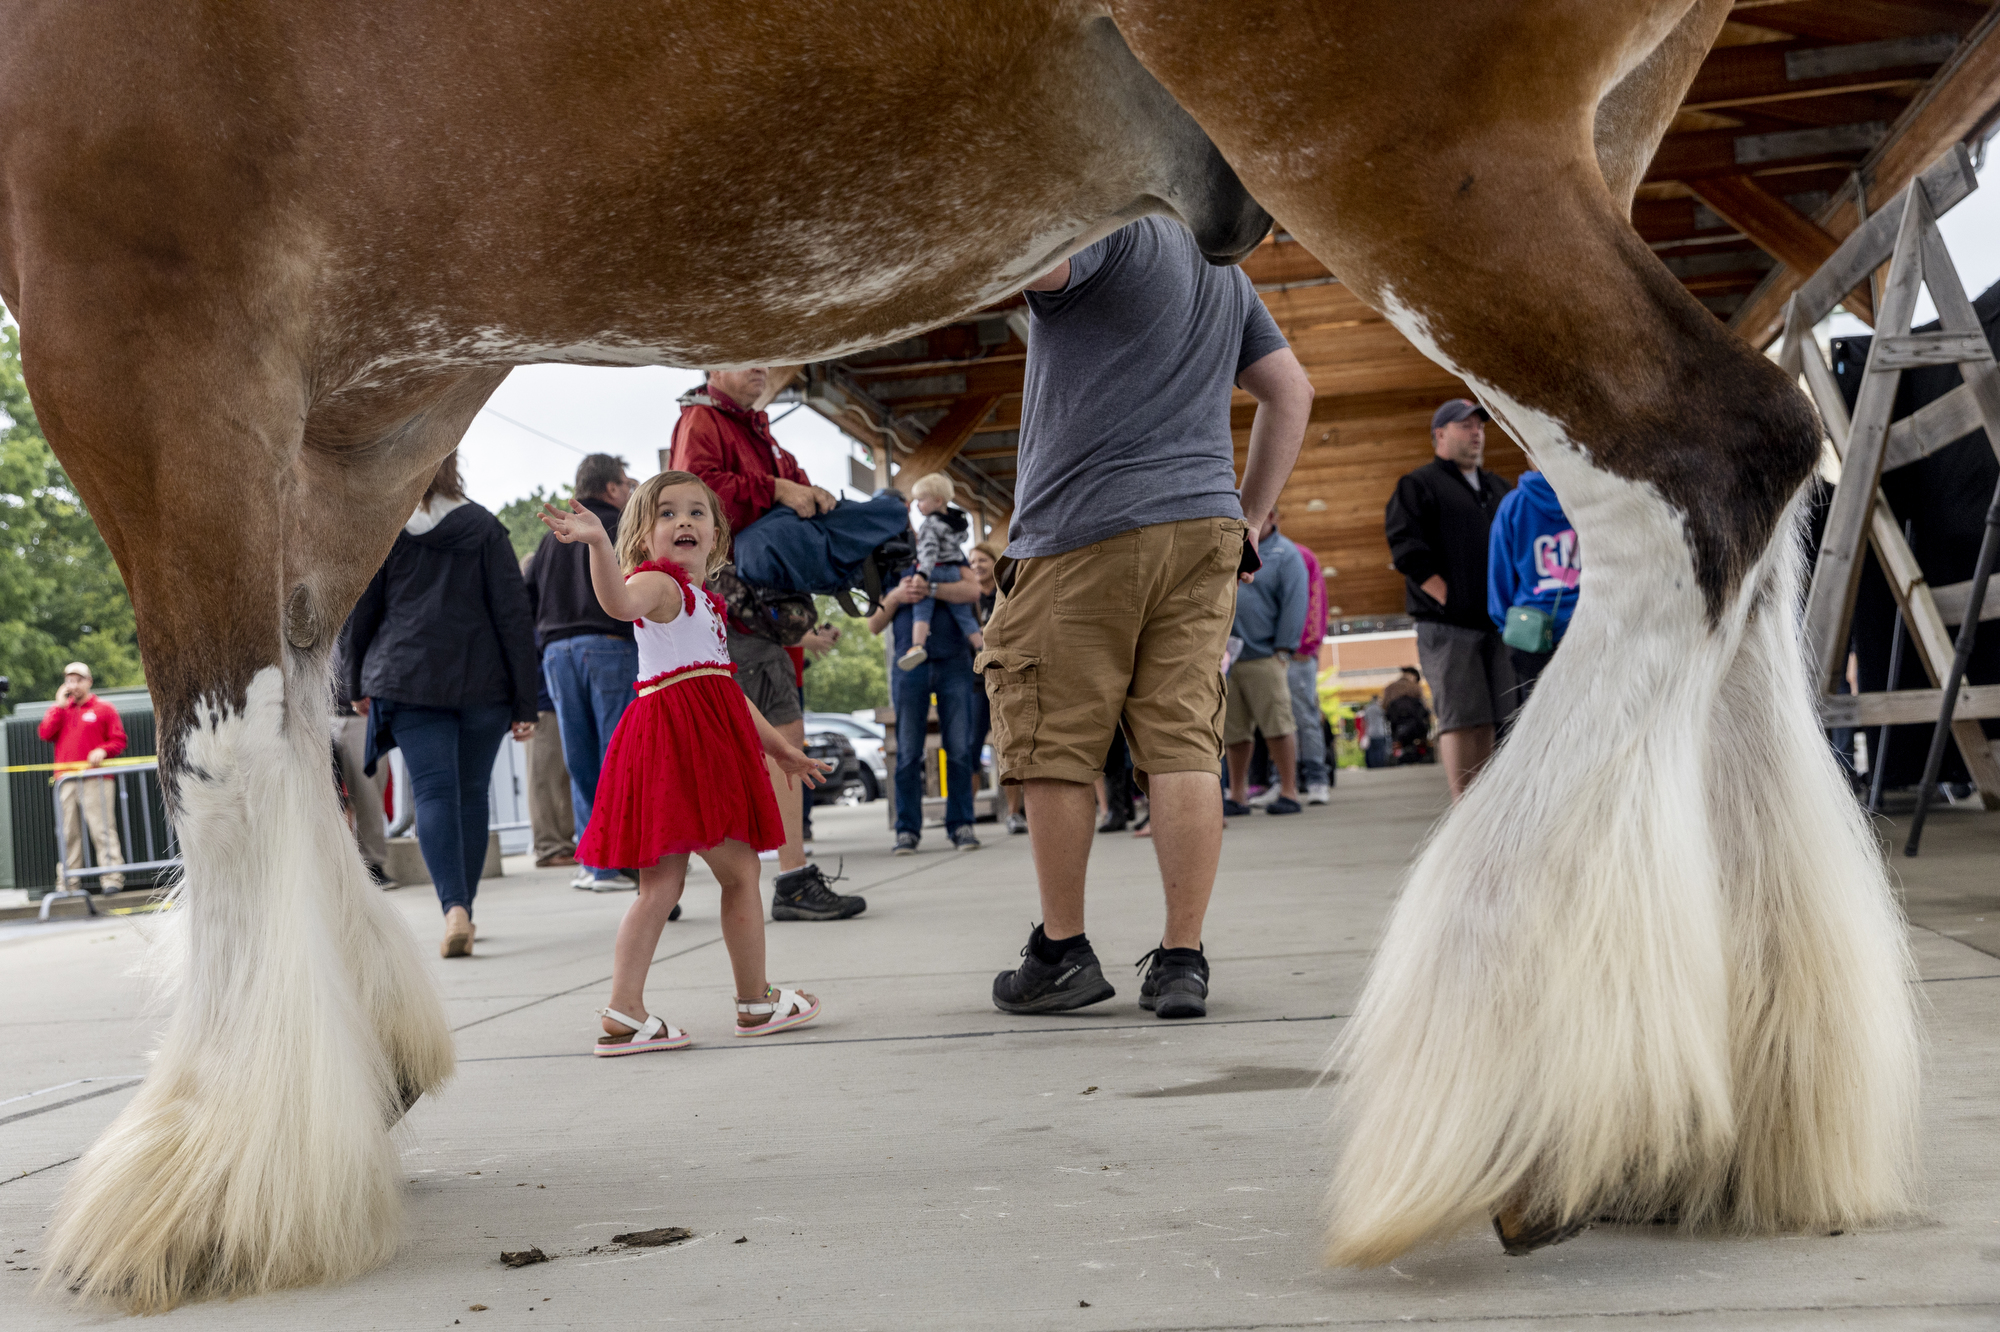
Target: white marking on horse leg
column 1824, row 1034
column 1570, row 986
column 1545, row 1022
column 256, row 1155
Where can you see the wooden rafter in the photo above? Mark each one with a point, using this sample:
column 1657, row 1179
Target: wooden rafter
column 948, row 436
column 1779, row 229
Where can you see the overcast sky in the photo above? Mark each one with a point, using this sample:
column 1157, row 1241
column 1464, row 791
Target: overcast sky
column 631, row 412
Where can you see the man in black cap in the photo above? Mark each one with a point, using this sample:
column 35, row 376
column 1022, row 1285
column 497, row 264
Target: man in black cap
column 1437, row 524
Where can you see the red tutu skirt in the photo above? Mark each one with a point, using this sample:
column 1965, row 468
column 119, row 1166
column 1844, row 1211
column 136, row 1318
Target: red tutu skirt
column 684, row 772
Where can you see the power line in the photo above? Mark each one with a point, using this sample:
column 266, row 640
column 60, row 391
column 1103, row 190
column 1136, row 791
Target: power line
column 543, row 434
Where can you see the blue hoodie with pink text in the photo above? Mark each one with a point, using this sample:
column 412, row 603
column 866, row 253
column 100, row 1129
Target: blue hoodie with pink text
column 1532, row 557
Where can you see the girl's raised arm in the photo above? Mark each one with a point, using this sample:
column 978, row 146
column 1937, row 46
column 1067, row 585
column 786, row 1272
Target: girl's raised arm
column 649, row 596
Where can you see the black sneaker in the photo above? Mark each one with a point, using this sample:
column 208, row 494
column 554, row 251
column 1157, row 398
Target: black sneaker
column 1044, row 987
column 1176, row 985
column 675, row 914
column 906, row 844
column 1232, row 810
column 1284, row 805
column 962, row 839
column 803, row 894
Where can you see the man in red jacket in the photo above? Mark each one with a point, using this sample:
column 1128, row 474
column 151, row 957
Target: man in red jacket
column 725, row 441
column 86, row 731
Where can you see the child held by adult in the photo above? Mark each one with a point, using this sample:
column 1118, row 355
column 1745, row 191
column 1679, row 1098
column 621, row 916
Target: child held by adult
column 682, row 774
column 940, row 559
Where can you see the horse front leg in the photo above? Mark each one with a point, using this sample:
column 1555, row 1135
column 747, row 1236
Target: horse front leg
column 257, row 1154
column 1651, row 961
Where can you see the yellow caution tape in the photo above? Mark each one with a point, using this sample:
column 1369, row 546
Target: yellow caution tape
column 84, row 767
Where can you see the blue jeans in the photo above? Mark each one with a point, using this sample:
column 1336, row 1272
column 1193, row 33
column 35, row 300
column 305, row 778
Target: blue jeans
column 1302, row 676
column 822, row 554
column 590, row 678
column 958, row 697
column 961, row 611
column 449, row 753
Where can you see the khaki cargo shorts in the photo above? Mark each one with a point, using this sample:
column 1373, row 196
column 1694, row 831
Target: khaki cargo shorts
column 1260, row 699
column 1131, row 627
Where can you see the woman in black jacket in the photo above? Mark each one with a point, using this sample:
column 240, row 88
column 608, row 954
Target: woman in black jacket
column 440, row 655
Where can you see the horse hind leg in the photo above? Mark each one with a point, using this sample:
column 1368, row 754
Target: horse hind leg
column 257, row 1154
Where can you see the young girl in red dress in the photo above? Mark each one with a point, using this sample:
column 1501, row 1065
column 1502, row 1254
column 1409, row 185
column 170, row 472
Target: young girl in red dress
column 683, row 773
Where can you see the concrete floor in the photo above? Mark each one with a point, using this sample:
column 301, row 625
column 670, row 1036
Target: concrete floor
column 918, row 1160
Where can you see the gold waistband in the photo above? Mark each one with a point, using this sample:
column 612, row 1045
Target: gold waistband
column 683, row 675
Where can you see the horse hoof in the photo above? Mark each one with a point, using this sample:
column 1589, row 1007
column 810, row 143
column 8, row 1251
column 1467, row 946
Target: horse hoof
column 1520, row 1236
column 407, row 1096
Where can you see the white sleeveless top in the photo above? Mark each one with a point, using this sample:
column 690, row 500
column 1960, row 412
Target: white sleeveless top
column 694, row 638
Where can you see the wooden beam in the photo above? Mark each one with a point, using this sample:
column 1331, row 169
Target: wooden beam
column 1784, row 71
column 947, row 437
column 1728, row 152
column 1907, row 707
column 1779, row 229
column 1951, row 108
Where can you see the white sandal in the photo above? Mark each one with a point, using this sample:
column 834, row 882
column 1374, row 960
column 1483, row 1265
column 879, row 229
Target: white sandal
column 652, row 1034
column 788, row 1009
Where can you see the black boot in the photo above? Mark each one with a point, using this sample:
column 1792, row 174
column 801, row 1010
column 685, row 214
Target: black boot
column 803, row 894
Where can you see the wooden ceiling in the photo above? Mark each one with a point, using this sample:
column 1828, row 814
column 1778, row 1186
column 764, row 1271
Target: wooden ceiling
column 1799, row 103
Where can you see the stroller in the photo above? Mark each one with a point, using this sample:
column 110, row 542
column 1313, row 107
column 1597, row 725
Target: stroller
column 1409, row 731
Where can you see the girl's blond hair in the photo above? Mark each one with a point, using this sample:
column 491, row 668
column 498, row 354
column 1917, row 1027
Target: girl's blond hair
column 934, row 485
column 637, row 522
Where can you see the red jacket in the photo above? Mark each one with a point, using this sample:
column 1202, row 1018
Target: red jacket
column 734, row 451
column 78, row 728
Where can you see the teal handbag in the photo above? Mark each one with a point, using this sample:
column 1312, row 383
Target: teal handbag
column 1529, row 629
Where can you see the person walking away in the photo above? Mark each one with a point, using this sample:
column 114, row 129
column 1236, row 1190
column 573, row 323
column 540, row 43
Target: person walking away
column 1316, row 768
column 587, row 657
column 984, row 561
column 86, row 731
column 721, row 439
column 947, row 675
column 1533, row 568
column 940, row 557
column 364, row 791
column 1437, row 523
column 1270, row 619
column 1124, row 552
column 685, row 771
column 440, row 654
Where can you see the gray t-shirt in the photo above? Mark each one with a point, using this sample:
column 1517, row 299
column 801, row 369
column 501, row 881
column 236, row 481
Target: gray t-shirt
column 1125, row 413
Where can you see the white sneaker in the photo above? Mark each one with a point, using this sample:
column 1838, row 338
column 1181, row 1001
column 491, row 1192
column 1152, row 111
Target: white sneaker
column 1263, row 797
column 1319, row 794
column 912, row 659
column 585, row 880
column 617, row 883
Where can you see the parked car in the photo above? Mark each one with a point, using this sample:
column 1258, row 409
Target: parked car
column 866, row 738
column 844, row 784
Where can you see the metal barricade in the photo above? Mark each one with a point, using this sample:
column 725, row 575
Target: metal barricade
column 133, row 779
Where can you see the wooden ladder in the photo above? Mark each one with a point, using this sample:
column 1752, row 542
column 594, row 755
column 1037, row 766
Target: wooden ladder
column 1860, row 449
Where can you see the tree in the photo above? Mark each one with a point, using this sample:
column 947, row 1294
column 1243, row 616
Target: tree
column 61, row 598
column 522, row 521
column 855, row 675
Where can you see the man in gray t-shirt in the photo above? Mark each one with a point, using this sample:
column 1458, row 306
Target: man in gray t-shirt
column 1120, row 579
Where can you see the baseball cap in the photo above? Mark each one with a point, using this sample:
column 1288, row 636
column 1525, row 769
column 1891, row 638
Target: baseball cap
column 77, row 668
column 1457, row 410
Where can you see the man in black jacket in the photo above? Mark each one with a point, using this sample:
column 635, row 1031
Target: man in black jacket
column 588, row 658
column 1437, row 523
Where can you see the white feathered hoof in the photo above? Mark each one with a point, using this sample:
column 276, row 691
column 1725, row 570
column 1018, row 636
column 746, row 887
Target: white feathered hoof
column 257, row 1154
column 1651, row 964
